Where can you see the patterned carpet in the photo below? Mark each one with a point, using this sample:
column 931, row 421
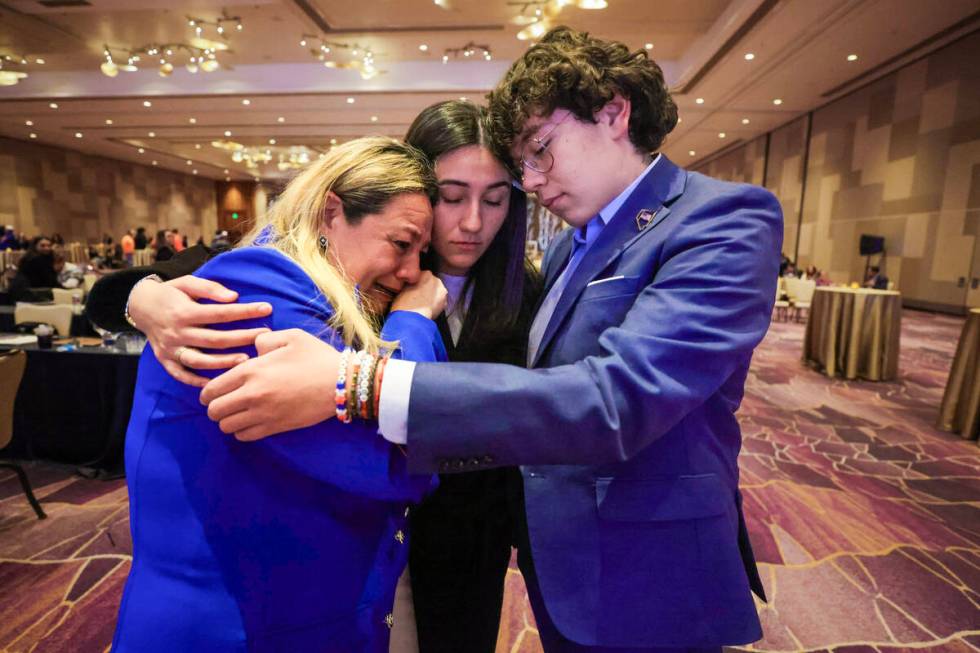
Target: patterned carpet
column 864, row 517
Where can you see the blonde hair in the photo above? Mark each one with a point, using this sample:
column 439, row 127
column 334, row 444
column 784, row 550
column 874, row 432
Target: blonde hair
column 365, row 174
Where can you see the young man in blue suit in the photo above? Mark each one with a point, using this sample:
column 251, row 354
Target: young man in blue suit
column 625, row 422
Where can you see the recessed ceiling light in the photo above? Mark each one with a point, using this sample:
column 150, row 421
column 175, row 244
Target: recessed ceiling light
column 333, row 141
column 141, row 150
column 151, row 134
column 153, row 162
column 281, row 119
column 194, row 171
column 227, row 133
column 193, row 121
column 147, row 103
column 649, row 46
column 189, row 162
column 226, row 171
column 374, row 119
column 246, row 102
column 852, row 57
column 679, row 120
column 108, row 121
column 777, row 102
column 257, row 179
column 29, row 123
column 462, row 98
column 749, row 56
column 227, row 178
column 272, row 141
column 78, row 134
column 53, row 105
column 745, row 121
column 350, row 100
column 721, row 134
column 424, row 48
column 197, row 146
column 699, row 100
column 33, row 135
column 39, row 60
column 691, row 152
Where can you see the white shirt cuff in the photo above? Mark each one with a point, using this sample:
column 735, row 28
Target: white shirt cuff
column 396, row 390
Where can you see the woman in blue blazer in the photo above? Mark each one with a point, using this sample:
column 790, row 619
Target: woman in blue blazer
column 294, row 544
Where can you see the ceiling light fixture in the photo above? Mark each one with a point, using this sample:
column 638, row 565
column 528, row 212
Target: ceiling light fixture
column 78, row 134
column 471, row 49
column 153, row 162
column 29, row 123
column 691, row 152
column 151, row 134
column 424, row 47
column 281, row 119
column 192, row 121
column 745, row 121
column 721, row 134
column 749, row 56
column 362, row 59
column 272, row 141
column 108, row 121
column 699, row 100
column 141, row 150
column 648, row 46
column 227, row 133
column 374, row 119
column 33, row 135
column 246, row 102
column 777, row 101
column 852, row 57
column 53, row 105
column 350, row 100
column 147, row 104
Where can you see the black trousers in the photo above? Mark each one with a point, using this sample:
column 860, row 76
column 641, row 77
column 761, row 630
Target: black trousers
column 459, row 551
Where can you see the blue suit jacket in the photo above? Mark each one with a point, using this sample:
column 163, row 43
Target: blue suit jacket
column 294, row 543
column 629, row 434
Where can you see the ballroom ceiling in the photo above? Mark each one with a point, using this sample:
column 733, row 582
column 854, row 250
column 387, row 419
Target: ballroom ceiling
column 272, row 97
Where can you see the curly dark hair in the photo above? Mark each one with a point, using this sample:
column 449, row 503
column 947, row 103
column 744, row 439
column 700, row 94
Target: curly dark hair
column 571, row 70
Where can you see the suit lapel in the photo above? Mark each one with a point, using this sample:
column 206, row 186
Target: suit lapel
column 660, row 188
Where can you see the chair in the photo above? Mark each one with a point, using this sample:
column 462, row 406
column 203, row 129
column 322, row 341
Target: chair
column 801, row 294
column 67, row 296
column 12, row 364
column 88, row 281
column 781, row 307
column 57, row 315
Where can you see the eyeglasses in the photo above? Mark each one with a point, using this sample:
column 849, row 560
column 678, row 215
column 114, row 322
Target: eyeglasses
column 535, row 154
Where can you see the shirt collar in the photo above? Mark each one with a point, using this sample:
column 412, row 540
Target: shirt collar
column 588, row 234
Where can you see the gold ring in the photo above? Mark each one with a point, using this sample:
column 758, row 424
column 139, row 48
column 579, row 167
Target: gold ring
column 179, row 354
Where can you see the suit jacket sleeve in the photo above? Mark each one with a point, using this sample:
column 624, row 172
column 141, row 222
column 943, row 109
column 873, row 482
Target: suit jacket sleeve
column 107, row 300
column 706, row 308
column 352, row 456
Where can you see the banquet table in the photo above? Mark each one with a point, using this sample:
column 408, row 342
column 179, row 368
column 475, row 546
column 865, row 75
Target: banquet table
column 854, row 333
column 960, row 409
column 73, row 407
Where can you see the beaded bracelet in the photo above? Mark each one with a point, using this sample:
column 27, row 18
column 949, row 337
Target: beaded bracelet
column 378, row 376
column 364, row 384
column 355, row 367
column 340, row 394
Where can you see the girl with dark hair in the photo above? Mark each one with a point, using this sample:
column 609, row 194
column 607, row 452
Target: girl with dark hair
column 462, row 534
column 461, row 537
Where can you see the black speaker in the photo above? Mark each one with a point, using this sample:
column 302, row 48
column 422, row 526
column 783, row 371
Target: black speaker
column 872, row 245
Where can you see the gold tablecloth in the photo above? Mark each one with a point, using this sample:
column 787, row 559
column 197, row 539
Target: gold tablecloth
column 854, row 333
column 960, row 410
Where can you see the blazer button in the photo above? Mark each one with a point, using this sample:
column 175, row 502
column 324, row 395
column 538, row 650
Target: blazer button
column 389, row 620
column 407, row 510
column 400, row 537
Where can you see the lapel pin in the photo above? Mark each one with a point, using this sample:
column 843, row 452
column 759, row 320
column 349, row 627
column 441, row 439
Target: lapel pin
column 644, row 217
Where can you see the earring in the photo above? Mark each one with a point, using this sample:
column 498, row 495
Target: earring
column 323, row 241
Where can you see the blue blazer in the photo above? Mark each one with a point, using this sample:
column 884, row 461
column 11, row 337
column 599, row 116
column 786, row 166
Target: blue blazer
column 628, row 430
column 293, row 543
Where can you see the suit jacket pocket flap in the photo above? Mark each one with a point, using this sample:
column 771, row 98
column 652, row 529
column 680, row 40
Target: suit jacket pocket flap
column 599, row 288
column 666, row 498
